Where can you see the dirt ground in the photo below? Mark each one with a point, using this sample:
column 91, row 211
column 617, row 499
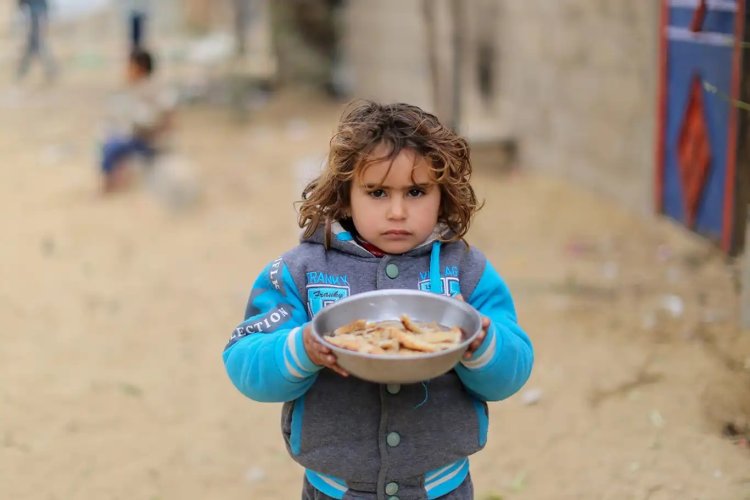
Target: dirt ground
column 115, row 311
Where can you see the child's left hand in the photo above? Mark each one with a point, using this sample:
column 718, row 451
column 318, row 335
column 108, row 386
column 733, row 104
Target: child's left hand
column 480, row 338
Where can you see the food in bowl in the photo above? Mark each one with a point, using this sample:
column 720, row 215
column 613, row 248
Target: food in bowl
column 390, row 305
column 404, row 337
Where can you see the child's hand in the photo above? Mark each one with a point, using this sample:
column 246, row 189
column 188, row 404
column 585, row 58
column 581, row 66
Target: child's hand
column 320, row 354
column 480, row 338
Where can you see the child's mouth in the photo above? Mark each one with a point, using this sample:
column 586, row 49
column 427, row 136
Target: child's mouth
column 396, row 233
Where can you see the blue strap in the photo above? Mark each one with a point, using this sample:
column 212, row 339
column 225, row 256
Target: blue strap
column 435, row 282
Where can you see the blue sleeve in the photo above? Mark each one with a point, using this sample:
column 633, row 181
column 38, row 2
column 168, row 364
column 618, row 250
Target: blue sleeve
column 502, row 364
column 265, row 358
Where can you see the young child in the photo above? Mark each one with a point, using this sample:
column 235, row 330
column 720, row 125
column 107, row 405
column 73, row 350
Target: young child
column 141, row 118
column 390, row 210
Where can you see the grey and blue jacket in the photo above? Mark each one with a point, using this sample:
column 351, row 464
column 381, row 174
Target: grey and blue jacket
column 394, row 441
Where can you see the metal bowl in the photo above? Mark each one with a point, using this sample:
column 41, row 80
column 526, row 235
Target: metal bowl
column 382, row 305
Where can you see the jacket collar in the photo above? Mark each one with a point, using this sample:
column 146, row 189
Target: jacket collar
column 344, row 241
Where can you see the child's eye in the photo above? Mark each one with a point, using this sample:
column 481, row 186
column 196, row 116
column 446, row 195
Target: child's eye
column 416, row 192
column 377, row 193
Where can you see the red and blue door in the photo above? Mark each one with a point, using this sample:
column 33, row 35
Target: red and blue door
column 700, row 73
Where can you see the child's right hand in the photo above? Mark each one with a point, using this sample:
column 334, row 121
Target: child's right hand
column 320, row 354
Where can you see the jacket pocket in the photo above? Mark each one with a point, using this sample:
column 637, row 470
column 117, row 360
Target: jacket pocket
column 291, row 423
column 483, row 421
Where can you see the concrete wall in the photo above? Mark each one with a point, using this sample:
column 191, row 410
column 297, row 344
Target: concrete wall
column 578, row 87
column 574, row 80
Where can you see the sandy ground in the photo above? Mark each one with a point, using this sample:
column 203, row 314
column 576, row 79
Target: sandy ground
column 115, row 311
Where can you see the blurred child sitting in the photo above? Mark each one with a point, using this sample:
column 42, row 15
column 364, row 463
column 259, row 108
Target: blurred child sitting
column 139, row 124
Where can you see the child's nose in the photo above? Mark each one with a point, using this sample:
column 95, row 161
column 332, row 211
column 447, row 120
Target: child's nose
column 396, row 209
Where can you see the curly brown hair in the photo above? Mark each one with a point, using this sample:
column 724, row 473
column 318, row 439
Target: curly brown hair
column 365, row 125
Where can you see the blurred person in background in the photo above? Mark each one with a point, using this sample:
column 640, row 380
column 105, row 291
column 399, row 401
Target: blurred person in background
column 36, row 14
column 139, row 123
column 137, row 16
column 395, row 191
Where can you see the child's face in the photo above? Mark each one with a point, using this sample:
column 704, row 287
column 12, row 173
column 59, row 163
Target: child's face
column 134, row 72
column 398, row 212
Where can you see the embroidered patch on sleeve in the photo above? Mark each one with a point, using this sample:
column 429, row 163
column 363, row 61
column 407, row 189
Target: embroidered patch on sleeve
column 274, row 275
column 264, row 324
